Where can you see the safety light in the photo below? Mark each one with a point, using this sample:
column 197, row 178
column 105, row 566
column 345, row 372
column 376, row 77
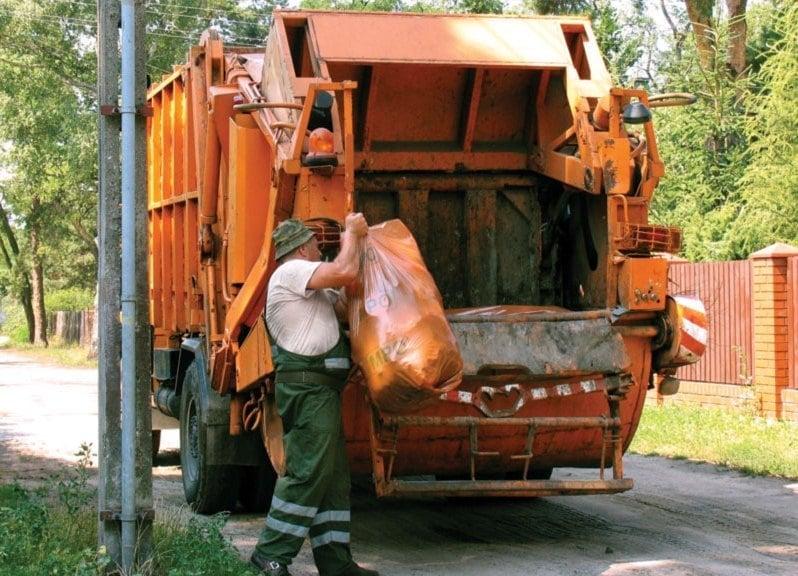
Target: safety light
column 321, row 149
column 321, row 142
column 636, row 113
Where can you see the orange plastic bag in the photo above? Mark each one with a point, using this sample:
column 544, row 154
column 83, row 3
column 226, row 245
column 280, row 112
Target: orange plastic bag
column 400, row 337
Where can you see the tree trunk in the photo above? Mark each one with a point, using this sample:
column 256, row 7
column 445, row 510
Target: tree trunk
column 27, row 305
column 738, row 34
column 25, row 292
column 37, row 278
column 700, row 14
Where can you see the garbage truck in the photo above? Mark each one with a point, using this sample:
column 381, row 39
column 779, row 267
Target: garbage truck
column 525, row 177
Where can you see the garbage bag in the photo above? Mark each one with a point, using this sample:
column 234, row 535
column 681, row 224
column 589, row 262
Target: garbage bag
column 399, row 333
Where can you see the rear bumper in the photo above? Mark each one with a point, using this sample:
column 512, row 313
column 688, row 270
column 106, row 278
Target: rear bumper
column 503, row 488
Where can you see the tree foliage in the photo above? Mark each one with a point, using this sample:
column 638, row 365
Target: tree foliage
column 48, row 144
column 175, row 25
column 731, row 160
column 769, row 185
column 621, row 35
column 725, row 183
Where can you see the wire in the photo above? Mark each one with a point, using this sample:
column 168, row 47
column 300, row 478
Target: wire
column 34, row 17
column 92, row 24
column 214, row 13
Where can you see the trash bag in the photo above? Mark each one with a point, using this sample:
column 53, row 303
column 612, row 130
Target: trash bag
column 399, row 333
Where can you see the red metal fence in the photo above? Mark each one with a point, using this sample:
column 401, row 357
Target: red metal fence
column 725, row 289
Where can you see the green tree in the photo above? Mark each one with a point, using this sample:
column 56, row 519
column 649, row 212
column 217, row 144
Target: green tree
column 48, row 148
column 436, row 6
column 770, row 181
column 724, row 184
column 173, row 26
column 621, row 36
column 47, row 127
column 704, row 150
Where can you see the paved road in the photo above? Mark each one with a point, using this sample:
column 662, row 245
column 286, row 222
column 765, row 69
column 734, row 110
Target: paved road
column 681, row 519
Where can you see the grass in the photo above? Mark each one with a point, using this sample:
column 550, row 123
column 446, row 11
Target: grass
column 72, row 356
column 736, row 440
column 53, row 531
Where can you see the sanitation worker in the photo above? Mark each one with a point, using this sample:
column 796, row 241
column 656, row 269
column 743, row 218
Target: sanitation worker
column 311, row 357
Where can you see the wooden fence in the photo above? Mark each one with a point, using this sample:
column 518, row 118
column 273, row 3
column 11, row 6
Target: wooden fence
column 725, row 289
column 71, row 327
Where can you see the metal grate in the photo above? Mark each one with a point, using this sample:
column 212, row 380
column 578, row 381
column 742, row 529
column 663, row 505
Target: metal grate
column 328, row 234
column 645, row 237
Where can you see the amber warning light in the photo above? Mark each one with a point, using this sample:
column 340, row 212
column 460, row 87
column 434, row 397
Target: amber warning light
column 321, row 149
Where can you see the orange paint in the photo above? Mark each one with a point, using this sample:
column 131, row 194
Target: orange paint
column 473, row 122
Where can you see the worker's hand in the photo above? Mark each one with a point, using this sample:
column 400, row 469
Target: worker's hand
column 356, row 224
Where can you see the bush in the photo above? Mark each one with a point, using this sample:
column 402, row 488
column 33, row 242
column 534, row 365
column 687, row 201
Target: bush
column 53, row 531
column 45, row 533
column 15, row 325
column 69, row 299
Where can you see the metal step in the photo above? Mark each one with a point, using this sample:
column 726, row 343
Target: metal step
column 502, row 488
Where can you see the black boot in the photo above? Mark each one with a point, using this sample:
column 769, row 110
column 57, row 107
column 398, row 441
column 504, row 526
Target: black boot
column 355, row 570
column 269, row 567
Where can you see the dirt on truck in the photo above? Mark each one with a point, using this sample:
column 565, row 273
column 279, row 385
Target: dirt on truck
column 525, row 177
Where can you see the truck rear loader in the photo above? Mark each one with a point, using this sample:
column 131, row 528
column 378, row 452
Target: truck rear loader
column 526, row 179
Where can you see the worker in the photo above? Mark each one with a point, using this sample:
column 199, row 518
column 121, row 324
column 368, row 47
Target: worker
column 311, row 357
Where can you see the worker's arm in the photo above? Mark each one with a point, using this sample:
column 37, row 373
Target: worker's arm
column 343, row 270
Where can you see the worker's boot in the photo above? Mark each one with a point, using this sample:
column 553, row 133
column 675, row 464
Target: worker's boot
column 355, row 570
column 269, row 567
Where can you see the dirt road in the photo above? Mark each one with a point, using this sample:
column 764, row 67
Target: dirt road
column 681, row 518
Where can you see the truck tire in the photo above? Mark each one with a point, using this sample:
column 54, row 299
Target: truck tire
column 156, row 443
column 257, row 487
column 208, row 488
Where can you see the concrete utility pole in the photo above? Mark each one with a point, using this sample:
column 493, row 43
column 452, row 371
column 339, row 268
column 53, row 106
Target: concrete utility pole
column 125, row 482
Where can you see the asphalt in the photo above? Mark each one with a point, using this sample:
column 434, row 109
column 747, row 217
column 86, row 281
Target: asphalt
column 682, row 518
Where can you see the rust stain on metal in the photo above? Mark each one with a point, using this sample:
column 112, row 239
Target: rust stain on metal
column 483, row 134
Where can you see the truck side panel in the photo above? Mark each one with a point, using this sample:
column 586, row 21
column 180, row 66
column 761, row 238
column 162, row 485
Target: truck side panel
column 175, row 299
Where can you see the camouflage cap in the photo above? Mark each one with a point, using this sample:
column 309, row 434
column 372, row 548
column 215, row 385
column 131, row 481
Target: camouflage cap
column 289, row 235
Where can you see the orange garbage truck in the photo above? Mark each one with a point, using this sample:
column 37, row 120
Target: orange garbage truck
column 525, row 177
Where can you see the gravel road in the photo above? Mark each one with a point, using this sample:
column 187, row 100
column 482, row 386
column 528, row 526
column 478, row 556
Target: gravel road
column 682, row 518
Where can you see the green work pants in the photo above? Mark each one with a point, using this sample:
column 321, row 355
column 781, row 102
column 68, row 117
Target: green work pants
column 312, row 499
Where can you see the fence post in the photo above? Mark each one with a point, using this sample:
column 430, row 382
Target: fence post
column 772, row 293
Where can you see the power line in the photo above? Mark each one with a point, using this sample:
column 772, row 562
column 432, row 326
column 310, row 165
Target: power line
column 91, row 24
column 213, row 13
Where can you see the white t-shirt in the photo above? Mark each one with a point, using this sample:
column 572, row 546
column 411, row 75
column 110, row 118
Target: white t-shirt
column 302, row 321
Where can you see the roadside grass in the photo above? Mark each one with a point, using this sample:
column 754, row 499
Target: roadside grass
column 63, row 355
column 52, row 530
column 739, row 441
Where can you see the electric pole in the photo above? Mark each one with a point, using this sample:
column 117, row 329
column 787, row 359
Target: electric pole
column 125, row 467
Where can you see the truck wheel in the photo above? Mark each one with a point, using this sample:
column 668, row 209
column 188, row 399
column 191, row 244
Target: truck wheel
column 257, row 487
column 156, row 443
column 208, row 489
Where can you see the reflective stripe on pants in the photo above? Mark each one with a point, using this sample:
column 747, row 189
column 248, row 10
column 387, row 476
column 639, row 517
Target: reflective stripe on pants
column 312, row 499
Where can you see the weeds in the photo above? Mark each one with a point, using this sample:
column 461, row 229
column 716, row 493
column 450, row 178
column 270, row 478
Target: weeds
column 63, row 355
column 733, row 439
column 52, row 531
column 39, row 538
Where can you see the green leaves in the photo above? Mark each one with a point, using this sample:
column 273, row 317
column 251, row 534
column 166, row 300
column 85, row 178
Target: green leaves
column 732, row 159
column 770, row 181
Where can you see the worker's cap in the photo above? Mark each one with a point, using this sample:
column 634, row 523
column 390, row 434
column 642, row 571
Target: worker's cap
column 289, row 235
